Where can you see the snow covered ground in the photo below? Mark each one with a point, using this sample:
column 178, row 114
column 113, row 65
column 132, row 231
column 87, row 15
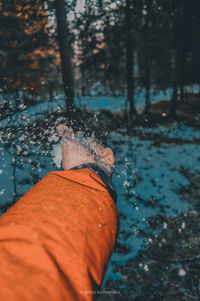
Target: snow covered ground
column 93, row 103
column 146, row 176
column 173, row 131
column 115, row 104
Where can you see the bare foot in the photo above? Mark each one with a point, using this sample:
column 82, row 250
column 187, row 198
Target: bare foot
column 103, row 156
column 76, row 152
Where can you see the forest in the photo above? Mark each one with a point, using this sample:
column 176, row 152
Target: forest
column 125, row 72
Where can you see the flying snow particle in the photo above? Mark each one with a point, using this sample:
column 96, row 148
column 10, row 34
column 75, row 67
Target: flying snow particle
column 146, row 268
column 165, row 225
column 2, row 191
column 57, row 154
column 126, row 184
column 183, row 225
column 54, row 137
column 19, row 149
column 181, row 272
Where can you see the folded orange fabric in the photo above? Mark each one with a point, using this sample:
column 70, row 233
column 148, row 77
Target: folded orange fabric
column 56, row 241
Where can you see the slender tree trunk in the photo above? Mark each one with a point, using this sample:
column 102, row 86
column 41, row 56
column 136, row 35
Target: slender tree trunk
column 147, row 59
column 173, row 103
column 129, row 78
column 147, row 96
column 182, row 76
column 147, row 75
column 129, row 60
column 174, row 100
column 183, row 50
column 65, row 53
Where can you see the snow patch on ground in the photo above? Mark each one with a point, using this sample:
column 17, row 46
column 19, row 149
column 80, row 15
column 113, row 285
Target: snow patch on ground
column 173, row 131
column 93, row 103
column 144, row 175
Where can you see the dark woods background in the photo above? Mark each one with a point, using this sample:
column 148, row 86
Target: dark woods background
column 153, row 44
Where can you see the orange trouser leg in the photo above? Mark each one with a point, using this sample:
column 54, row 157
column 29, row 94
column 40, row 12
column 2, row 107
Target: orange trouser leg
column 56, row 241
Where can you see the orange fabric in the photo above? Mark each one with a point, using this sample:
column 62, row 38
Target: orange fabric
column 56, row 241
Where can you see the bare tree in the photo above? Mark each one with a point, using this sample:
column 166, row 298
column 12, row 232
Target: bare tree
column 147, row 56
column 177, row 59
column 129, row 58
column 65, row 53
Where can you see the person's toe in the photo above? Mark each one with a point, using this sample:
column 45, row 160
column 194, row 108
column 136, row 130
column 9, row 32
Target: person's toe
column 97, row 148
column 104, row 154
column 64, row 131
column 107, row 155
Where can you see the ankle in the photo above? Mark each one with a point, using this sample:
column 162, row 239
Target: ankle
column 107, row 168
column 77, row 163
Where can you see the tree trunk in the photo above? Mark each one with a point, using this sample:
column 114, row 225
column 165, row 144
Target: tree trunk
column 129, row 60
column 147, row 59
column 182, row 77
column 174, row 100
column 65, row 53
column 147, row 97
column 177, row 28
column 183, row 50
